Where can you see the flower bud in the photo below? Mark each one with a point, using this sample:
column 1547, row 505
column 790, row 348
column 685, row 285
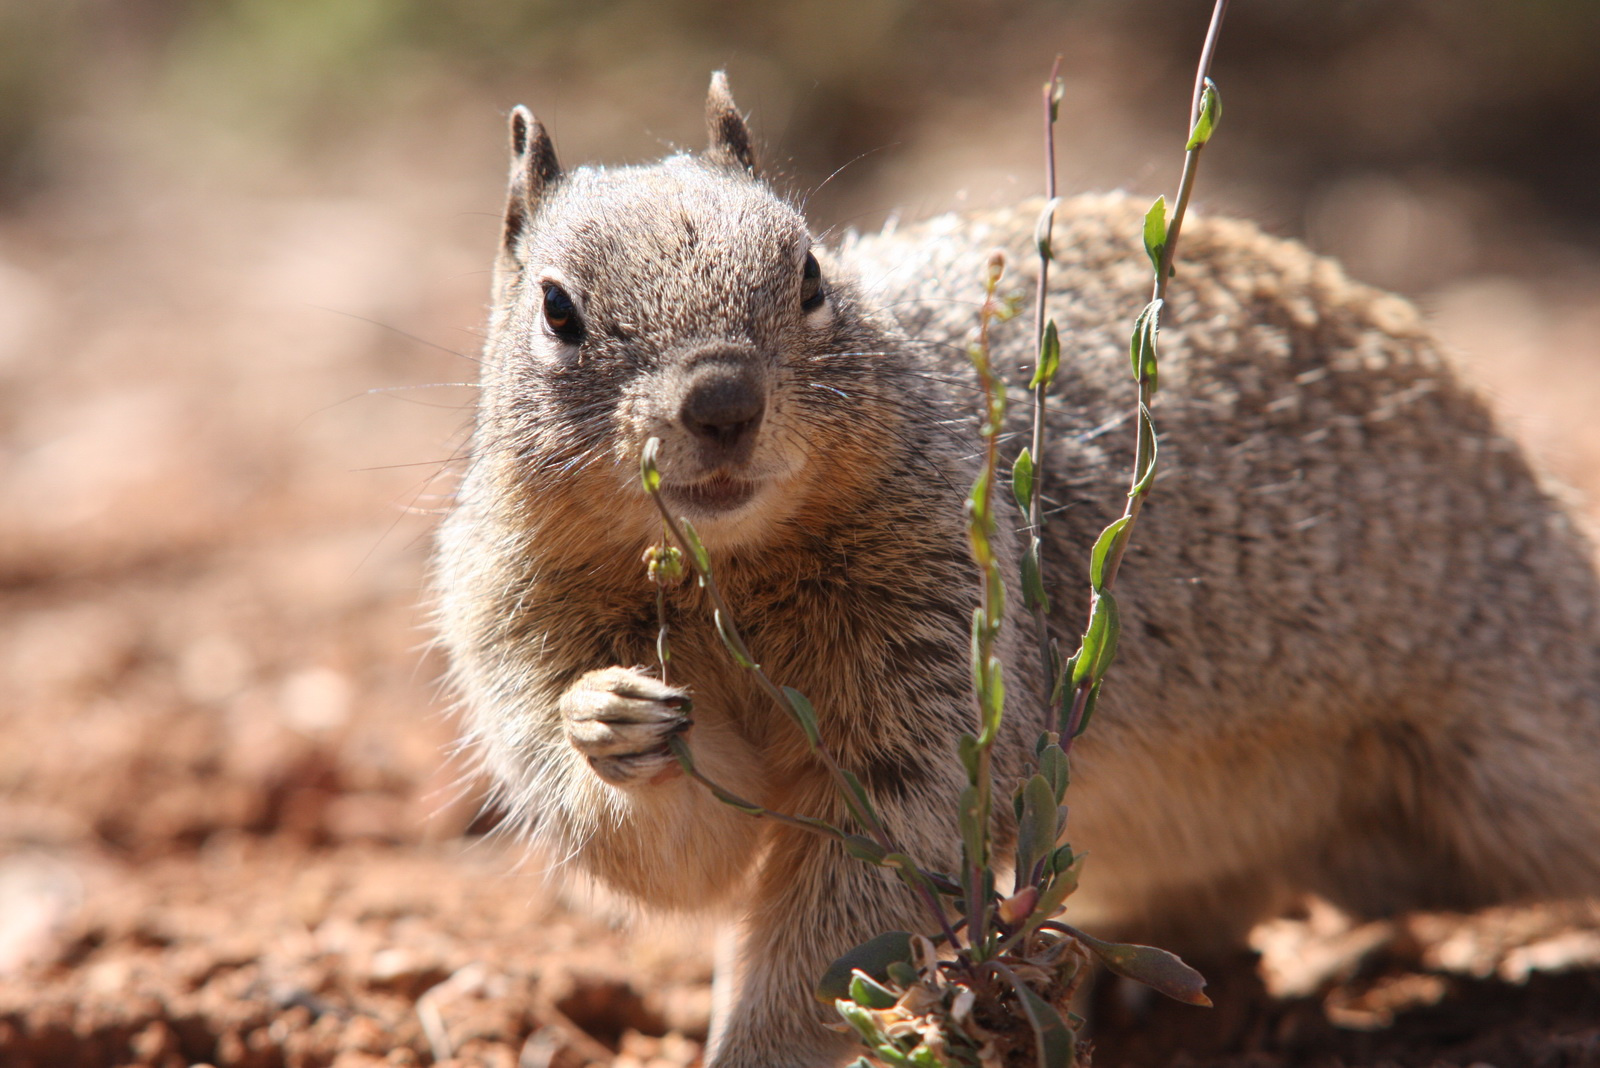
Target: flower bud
column 1019, row 906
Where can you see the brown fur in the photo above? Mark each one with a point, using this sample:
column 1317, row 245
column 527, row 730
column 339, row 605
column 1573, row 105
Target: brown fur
column 1361, row 652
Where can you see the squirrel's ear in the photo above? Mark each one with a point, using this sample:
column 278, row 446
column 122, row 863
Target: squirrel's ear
column 534, row 169
column 730, row 137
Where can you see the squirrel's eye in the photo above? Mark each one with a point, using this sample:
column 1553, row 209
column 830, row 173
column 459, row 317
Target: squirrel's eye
column 811, row 284
column 561, row 314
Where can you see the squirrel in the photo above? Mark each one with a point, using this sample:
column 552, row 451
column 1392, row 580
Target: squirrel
column 1361, row 642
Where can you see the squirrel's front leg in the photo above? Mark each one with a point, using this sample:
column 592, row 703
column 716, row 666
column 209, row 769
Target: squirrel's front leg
column 623, row 810
column 811, row 904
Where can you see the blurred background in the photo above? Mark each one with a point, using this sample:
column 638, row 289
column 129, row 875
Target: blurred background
column 243, row 273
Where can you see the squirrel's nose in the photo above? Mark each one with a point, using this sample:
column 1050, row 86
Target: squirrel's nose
column 723, row 407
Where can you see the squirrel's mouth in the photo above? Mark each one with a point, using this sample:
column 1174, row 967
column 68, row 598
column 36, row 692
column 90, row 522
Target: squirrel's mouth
column 714, row 495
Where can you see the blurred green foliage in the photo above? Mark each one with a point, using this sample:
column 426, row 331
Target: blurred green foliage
column 1508, row 89
column 35, row 48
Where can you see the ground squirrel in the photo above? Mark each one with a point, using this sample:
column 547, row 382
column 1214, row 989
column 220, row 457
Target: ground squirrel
column 1361, row 651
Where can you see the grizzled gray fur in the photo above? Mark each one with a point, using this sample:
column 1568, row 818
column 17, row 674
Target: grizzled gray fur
column 1361, row 646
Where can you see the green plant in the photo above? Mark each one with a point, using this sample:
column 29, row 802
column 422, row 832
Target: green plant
column 991, row 995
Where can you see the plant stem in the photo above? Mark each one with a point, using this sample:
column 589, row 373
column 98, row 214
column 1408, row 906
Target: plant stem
column 1036, row 502
column 987, row 626
column 1191, row 162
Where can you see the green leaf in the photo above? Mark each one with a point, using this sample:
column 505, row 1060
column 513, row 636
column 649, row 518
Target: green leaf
column 749, row 808
column 867, row 991
column 1062, row 885
column 1104, row 546
column 967, row 749
column 1054, row 767
column 1043, row 228
column 980, row 625
column 1054, row 1042
column 864, row 848
column 865, row 1024
column 1108, row 648
column 997, row 599
column 974, row 826
column 1210, row 115
column 820, row 826
column 1088, row 709
column 697, row 549
column 803, row 714
column 725, row 632
column 1155, row 232
column 1060, row 860
column 1049, row 357
column 1145, row 476
column 978, row 515
column 1022, row 480
column 680, row 749
column 1036, row 828
column 1033, row 590
column 872, row 957
column 648, row 474
column 858, row 793
column 1099, row 640
column 912, row 875
column 903, row 975
column 1156, row 968
column 1142, row 345
column 891, row 1054
column 1069, row 671
column 994, row 697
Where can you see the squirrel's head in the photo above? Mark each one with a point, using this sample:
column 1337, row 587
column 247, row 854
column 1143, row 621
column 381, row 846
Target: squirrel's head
column 684, row 301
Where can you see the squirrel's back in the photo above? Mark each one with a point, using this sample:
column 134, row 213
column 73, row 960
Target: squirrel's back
column 1356, row 623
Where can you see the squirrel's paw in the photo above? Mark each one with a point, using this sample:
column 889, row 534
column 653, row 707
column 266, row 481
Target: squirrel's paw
column 620, row 719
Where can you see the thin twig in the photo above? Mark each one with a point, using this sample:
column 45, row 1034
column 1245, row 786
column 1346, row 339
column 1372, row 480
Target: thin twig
column 1036, row 503
column 987, row 626
column 1191, row 161
column 867, row 818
